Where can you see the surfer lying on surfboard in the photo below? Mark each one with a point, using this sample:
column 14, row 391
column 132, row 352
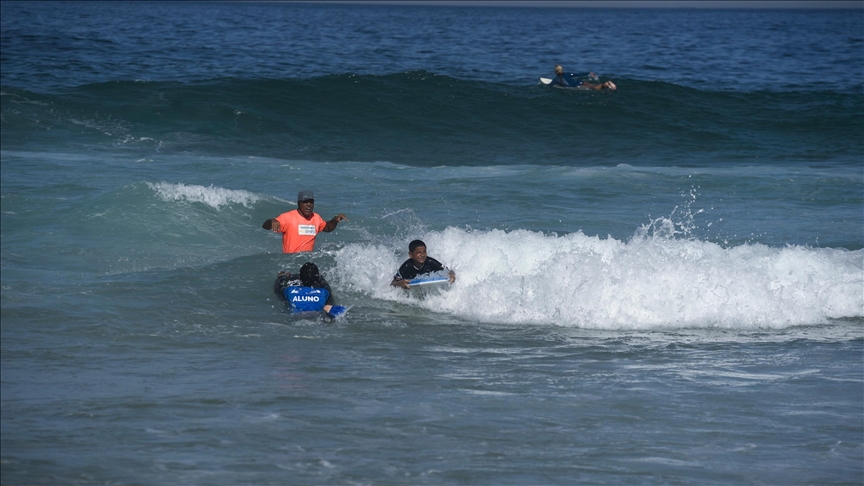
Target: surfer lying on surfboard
column 307, row 291
column 419, row 264
column 573, row 81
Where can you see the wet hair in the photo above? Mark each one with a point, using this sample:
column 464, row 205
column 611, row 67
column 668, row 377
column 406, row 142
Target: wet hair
column 309, row 274
column 414, row 244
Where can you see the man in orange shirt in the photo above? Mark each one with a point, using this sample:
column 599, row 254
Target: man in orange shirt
column 300, row 227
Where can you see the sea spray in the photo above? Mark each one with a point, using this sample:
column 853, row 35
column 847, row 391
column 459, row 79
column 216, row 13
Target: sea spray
column 214, row 197
column 651, row 281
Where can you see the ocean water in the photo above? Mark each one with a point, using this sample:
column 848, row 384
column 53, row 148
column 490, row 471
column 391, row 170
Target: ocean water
column 663, row 284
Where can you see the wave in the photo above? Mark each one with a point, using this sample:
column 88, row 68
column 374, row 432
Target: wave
column 421, row 118
column 663, row 276
column 215, row 197
column 656, row 280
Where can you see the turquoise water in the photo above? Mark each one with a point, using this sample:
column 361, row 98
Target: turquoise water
column 658, row 285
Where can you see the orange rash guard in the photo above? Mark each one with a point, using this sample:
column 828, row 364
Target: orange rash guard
column 298, row 233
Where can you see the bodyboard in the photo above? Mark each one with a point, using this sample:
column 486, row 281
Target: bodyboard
column 428, row 281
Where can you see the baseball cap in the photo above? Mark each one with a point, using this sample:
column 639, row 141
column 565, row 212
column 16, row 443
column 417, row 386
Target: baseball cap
column 304, row 195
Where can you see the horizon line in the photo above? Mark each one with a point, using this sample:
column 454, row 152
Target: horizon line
column 658, row 4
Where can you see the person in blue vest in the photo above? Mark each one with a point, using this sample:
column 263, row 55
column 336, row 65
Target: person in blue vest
column 307, row 291
column 571, row 80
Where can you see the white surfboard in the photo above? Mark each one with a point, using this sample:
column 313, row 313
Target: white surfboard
column 545, row 80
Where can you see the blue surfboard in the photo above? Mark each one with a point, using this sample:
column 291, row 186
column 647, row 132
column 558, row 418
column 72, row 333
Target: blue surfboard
column 432, row 281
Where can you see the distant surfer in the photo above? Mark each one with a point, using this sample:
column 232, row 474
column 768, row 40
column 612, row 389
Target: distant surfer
column 309, row 277
column 300, row 227
column 572, row 80
column 419, row 263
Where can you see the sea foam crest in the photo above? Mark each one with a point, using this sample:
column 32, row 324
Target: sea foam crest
column 651, row 281
column 212, row 196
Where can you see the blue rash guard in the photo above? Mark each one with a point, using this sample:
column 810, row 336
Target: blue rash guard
column 308, row 296
column 282, row 282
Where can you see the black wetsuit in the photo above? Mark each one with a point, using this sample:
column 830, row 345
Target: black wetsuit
column 408, row 271
column 569, row 80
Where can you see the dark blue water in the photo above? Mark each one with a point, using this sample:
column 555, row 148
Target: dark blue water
column 662, row 284
column 436, row 86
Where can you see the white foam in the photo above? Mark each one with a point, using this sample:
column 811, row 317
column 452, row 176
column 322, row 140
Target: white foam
column 212, row 196
column 657, row 279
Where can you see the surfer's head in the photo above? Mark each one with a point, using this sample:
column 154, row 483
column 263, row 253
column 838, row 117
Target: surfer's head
column 558, row 69
column 417, row 251
column 309, row 274
column 306, row 203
